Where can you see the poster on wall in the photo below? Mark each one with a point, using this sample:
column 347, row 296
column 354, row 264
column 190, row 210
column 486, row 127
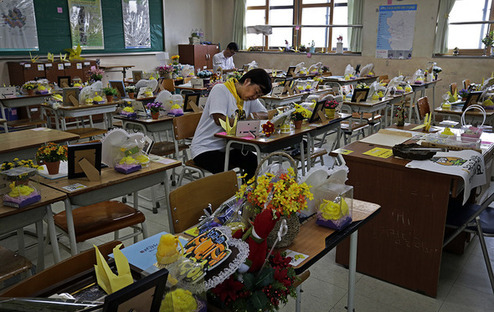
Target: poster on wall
column 18, row 27
column 395, row 31
column 86, row 24
column 136, row 23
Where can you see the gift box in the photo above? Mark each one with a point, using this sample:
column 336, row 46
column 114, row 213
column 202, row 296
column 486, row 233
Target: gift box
column 335, row 206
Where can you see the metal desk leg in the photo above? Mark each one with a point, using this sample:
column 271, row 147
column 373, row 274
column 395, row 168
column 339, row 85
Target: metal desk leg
column 40, row 265
column 352, row 267
column 227, row 152
column 434, row 103
column 70, row 227
column 53, row 234
column 302, row 156
column 298, row 299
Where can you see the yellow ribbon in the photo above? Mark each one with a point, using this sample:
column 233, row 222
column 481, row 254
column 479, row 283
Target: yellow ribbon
column 230, row 84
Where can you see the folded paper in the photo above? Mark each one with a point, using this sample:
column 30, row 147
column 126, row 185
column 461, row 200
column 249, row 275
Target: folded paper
column 109, row 281
column 229, row 129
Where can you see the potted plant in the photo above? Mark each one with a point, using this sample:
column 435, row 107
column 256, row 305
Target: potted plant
column 299, row 115
column 488, row 41
column 110, row 93
column 165, row 71
column 330, row 108
column 131, row 90
column 205, row 75
column 50, row 155
column 154, row 107
column 463, row 93
column 96, row 74
column 30, row 87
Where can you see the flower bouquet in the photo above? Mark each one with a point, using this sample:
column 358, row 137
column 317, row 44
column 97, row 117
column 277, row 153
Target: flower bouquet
column 175, row 59
column 330, row 108
column 128, row 112
column 131, row 90
column 300, row 113
column 30, row 87
column 165, row 70
column 154, row 108
column 50, row 155
column 95, row 73
column 17, row 174
column 335, row 207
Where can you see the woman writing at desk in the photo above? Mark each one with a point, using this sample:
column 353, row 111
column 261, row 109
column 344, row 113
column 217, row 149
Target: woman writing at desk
column 233, row 98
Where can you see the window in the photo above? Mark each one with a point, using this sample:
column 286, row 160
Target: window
column 466, row 25
column 298, row 22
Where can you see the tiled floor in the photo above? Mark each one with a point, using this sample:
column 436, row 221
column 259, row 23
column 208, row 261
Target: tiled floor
column 463, row 285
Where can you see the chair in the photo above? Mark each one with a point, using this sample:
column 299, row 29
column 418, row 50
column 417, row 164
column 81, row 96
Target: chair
column 477, row 219
column 102, row 218
column 466, row 83
column 188, row 201
column 13, row 265
column 37, row 285
column 423, row 107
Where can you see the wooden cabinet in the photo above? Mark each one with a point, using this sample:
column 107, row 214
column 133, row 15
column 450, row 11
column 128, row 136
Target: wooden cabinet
column 20, row 72
column 199, row 55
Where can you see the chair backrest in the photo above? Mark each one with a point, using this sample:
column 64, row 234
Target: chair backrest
column 423, row 106
column 466, row 83
column 453, row 87
column 383, row 79
column 37, row 284
column 185, row 126
column 168, row 84
column 188, row 201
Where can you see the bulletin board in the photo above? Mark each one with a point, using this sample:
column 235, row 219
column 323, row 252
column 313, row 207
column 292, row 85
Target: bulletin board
column 53, row 25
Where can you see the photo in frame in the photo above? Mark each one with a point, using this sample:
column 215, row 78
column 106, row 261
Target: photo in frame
column 145, row 294
column 315, row 113
column 291, row 71
column 119, row 85
column 70, row 96
column 191, row 97
column 472, row 98
column 136, row 75
column 359, row 95
column 288, row 86
column 90, row 151
column 64, row 81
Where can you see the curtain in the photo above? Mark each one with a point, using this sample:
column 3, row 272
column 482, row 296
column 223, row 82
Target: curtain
column 441, row 42
column 355, row 17
column 239, row 9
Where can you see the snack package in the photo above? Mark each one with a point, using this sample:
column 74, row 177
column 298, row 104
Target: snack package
column 418, row 77
column 349, row 72
column 131, row 158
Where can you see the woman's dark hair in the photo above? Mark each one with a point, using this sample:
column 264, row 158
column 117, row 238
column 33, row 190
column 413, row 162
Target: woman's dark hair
column 259, row 77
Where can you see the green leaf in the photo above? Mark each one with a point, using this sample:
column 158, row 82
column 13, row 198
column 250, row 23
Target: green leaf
column 259, row 300
column 249, row 281
column 266, row 277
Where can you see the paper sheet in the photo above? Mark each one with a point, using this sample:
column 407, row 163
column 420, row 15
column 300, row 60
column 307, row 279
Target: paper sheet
column 387, row 138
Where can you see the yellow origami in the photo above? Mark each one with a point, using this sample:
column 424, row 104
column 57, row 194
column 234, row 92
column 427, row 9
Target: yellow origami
column 75, row 54
column 51, row 57
column 109, row 281
column 229, row 129
column 34, row 59
column 427, row 123
column 63, row 57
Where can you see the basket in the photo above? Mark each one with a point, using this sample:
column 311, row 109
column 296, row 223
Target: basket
column 472, row 132
column 293, row 222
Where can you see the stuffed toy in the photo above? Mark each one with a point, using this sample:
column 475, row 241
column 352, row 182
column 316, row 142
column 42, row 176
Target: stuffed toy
column 256, row 238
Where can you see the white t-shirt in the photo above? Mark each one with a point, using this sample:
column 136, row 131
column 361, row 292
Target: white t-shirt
column 219, row 60
column 220, row 101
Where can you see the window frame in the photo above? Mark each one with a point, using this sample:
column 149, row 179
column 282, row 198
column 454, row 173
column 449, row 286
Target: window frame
column 298, row 7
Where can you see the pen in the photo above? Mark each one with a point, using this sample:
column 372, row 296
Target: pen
column 253, row 133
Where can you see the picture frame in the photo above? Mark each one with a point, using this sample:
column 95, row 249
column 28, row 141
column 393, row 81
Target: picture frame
column 277, row 90
column 288, row 85
column 291, row 71
column 472, row 98
column 67, row 93
column 90, row 151
column 119, row 85
column 245, row 68
column 360, row 95
column 136, row 75
column 315, row 113
column 145, row 294
column 194, row 97
column 64, row 81
column 148, row 145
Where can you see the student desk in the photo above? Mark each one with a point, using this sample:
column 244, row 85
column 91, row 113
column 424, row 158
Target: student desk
column 112, row 68
column 147, row 124
column 278, row 141
column 111, row 185
column 276, row 101
column 63, row 112
column 473, row 115
column 403, row 244
column 421, row 88
column 22, row 101
column 372, row 107
column 342, row 81
column 12, row 219
column 24, row 144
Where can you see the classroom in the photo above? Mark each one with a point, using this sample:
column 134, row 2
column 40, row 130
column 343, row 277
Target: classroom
column 379, row 113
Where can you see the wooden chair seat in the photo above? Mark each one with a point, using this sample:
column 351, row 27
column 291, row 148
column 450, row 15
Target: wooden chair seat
column 345, row 126
column 101, row 218
column 318, row 152
column 85, row 133
column 117, row 124
column 166, row 148
column 23, row 123
column 367, row 117
column 12, row 264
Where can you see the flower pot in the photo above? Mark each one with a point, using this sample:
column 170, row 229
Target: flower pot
column 298, row 124
column 167, row 75
column 52, row 166
column 329, row 112
column 131, row 95
column 155, row 115
column 30, row 92
column 109, row 98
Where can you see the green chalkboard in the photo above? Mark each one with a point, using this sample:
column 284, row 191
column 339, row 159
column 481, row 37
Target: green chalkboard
column 54, row 28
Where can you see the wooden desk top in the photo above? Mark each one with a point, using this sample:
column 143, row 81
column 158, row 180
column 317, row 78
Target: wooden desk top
column 282, row 97
column 369, row 103
column 277, row 137
column 23, row 97
column 108, row 177
column 115, row 66
column 459, row 111
column 145, row 120
column 48, row 196
column 342, row 79
column 309, row 240
column 85, row 106
column 19, row 140
column 426, row 84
